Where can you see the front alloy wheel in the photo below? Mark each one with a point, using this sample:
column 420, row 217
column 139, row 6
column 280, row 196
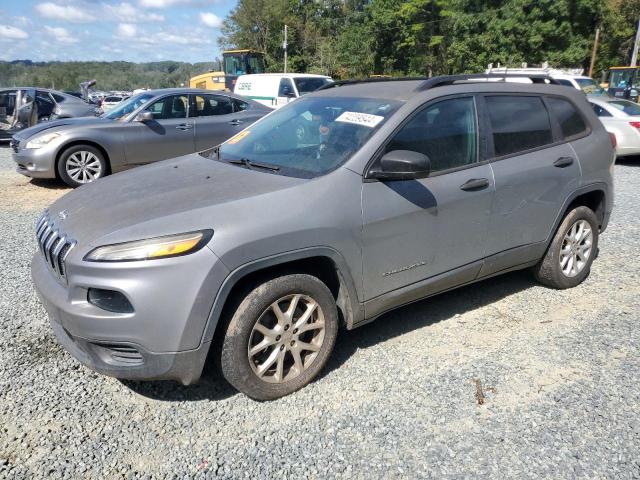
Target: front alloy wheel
column 280, row 336
column 81, row 164
column 286, row 339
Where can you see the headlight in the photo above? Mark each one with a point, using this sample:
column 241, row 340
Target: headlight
column 152, row 248
column 42, row 140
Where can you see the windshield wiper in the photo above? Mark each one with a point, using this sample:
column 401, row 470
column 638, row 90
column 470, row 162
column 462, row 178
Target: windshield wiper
column 250, row 164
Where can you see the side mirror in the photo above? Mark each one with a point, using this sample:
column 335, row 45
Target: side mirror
column 144, row 117
column 402, row 165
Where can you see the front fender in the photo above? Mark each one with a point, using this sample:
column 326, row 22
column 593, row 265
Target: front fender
column 352, row 309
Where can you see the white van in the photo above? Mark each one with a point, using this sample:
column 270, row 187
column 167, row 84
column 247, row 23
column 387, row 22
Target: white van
column 568, row 77
column 277, row 89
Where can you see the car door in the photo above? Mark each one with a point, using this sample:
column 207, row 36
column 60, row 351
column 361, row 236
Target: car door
column 417, row 229
column 26, row 109
column 286, row 92
column 7, row 108
column 535, row 171
column 170, row 133
column 216, row 118
column 45, row 105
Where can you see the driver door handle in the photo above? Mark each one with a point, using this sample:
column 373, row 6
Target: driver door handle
column 235, row 122
column 184, row 126
column 563, row 162
column 474, row 184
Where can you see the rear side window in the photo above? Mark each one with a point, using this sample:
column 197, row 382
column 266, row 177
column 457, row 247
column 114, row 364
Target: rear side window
column 58, row 98
column 286, row 88
column 518, row 124
column 567, row 116
column 211, row 105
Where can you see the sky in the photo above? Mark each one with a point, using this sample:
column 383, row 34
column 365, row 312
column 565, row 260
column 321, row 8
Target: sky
column 107, row 30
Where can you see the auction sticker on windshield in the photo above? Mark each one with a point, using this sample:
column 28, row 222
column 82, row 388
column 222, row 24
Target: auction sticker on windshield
column 357, row 118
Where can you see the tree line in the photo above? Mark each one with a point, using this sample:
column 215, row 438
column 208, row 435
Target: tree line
column 109, row 75
column 357, row 38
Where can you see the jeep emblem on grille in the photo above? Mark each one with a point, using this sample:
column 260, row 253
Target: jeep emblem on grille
column 62, row 214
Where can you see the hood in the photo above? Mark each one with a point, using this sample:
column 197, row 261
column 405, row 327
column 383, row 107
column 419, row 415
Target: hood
column 59, row 125
column 172, row 196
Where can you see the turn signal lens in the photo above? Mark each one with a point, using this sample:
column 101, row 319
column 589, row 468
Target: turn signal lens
column 614, row 140
column 151, row 249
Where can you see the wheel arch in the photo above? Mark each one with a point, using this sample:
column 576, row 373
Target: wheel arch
column 322, row 262
column 74, row 143
column 593, row 196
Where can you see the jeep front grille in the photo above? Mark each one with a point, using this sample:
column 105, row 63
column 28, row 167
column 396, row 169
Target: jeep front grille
column 54, row 246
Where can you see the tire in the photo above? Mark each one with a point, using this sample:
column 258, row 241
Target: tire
column 567, row 264
column 81, row 164
column 250, row 371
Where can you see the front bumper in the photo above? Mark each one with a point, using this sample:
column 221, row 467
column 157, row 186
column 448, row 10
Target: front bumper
column 160, row 340
column 35, row 163
column 130, row 361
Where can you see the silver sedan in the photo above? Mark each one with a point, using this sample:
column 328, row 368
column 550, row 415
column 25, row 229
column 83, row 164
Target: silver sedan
column 151, row 126
column 622, row 118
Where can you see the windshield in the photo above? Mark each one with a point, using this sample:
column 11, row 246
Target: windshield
column 233, row 65
column 621, row 78
column 126, row 107
column 311, row 136
column 310, row 84
column 589, row 86
column 629, row 108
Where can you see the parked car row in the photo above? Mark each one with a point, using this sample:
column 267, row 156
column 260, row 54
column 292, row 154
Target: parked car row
column 22, row 108
column 153, row 125
column 325, row 214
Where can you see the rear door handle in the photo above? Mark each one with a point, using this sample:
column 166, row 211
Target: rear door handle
column 474, row 184
column 235, row 122
column 184, row 126
column 563, row 162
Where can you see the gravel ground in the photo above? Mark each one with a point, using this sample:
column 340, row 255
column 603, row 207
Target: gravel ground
column 559, row 371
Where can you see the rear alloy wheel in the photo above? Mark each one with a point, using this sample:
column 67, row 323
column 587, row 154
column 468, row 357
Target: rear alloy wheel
column 81, row 164
column 280, row 337
column 572, row 251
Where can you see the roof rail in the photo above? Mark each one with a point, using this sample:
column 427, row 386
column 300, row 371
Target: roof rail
column 339, row 83
column 451, row 79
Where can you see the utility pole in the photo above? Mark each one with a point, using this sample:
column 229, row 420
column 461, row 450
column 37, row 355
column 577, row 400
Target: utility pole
column 284, row 46
column 594, row 52
column 634, row 56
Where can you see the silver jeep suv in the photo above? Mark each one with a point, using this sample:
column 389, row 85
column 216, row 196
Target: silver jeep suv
column 327, row 213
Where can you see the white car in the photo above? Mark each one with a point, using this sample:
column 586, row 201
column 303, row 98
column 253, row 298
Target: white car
column 581, row 82
column 111, row 101
column 568, row 77
column 277, row 89
column 622, row 118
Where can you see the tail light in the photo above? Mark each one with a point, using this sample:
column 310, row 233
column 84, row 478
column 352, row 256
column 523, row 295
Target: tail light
column 635, row 125
column 614, row 140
